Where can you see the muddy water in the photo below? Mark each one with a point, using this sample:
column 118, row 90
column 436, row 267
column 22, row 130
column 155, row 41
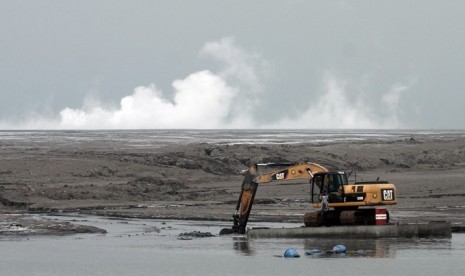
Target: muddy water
column 152, row 247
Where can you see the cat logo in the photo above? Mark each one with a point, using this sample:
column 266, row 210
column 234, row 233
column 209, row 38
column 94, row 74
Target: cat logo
column 280, row 176
column 387, row 194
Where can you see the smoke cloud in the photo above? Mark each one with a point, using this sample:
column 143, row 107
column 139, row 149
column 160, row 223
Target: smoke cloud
column 224, row 99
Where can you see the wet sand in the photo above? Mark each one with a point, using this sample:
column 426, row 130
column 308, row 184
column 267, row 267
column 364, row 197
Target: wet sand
column 201, row 180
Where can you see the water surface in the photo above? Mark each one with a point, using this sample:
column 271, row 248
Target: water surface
column 152, row 247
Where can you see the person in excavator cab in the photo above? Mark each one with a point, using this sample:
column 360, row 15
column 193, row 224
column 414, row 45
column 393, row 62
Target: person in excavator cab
column 334, row 188
column 330, row 186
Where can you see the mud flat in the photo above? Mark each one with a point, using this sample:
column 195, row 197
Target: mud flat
column 22, row 225
column 174, row 176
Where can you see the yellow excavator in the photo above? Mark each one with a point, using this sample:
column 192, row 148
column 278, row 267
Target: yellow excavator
column 346, row 201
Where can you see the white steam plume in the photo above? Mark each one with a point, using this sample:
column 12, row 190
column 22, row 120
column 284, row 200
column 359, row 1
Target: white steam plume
column 225, row 99
column 334, row 110
column 202, row 100
column 196, row 99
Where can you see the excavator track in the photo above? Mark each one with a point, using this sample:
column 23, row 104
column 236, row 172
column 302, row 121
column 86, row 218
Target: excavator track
column 312, row 219
column 347, row 217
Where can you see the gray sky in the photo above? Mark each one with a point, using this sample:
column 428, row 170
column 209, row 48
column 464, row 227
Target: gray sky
column 232, row 64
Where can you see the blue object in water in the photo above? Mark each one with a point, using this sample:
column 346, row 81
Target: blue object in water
column 339, row 248
column 291, row 253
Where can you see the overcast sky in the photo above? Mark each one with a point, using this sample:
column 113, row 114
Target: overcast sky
column 232, row 64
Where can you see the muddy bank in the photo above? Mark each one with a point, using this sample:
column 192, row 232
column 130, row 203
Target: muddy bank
column 159, row 178
column 25, row 225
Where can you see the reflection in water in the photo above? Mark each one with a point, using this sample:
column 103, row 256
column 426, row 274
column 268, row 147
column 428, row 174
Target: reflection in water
column 379, row 248
column 374, row 248
column 242, row 245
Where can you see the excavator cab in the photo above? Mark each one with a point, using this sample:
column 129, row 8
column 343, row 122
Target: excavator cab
column 329, row 183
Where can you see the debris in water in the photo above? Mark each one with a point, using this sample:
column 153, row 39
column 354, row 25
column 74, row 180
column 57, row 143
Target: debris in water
column 339, row 248
column 194, row 234
column 360, row 252
column 315, row 251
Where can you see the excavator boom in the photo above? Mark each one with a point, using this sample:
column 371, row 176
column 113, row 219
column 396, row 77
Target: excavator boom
column 252, row 179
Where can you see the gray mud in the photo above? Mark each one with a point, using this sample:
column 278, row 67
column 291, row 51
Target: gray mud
column 122, row 174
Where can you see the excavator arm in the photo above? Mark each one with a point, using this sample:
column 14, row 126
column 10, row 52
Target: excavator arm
column 252, row 179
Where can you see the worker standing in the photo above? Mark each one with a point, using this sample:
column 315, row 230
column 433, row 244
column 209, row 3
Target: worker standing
column 324, row 208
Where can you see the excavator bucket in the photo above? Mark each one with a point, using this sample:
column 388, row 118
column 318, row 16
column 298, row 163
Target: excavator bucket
column 244, row 203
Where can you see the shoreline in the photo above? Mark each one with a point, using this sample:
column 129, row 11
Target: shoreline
column 40, row 224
